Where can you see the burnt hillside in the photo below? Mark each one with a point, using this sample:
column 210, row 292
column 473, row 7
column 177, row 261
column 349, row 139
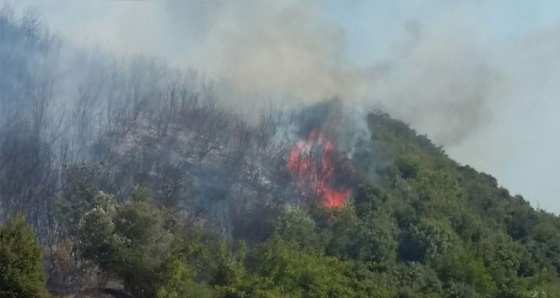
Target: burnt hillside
column 137, row 174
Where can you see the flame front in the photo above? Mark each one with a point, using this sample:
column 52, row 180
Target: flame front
column 314, row 174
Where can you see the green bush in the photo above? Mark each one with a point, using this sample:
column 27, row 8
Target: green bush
column 20, row 261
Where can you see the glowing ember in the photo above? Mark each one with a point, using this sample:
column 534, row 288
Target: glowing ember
column 313, row 175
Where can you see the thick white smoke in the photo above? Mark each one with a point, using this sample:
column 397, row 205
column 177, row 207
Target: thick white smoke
column 439, row 82
column 449, row 79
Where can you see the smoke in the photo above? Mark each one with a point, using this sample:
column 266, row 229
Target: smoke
column 442, row 83
column 438, row 81
column 446, row 76
column 267, row 47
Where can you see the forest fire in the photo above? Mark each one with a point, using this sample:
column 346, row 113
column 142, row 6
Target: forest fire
column 310, row 162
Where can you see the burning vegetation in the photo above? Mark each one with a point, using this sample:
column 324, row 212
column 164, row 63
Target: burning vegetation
column 311, row 163
column 136, row 175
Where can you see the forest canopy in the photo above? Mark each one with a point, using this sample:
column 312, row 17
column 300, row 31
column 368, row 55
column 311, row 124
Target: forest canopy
column 133, row 177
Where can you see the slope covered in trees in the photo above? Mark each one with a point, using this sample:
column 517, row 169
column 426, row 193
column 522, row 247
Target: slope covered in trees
column 136, row 175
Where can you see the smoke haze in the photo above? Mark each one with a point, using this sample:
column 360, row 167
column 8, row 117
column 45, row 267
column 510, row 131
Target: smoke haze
column 291, row 49
column 449, row 79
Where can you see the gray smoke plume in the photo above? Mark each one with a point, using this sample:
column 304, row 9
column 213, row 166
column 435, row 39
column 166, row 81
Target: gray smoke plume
column 448, row 79
column 440, row 82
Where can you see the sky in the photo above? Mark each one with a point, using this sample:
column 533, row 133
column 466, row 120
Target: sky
column 481, row 78
column 519, row 147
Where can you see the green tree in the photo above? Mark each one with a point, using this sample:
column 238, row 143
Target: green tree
column 78, row 195
column 20, row 261
column 175, row 280
column 427, row 242
column 296, row 225
column 128, row 241
column 229, row 273
column 283, row 268
column 97, row 236
column 503, row 258
column 372, row 238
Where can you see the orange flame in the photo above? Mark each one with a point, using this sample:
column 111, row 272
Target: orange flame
column 313, row 177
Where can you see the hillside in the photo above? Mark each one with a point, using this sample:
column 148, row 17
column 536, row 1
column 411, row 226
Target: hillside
column 134, row 176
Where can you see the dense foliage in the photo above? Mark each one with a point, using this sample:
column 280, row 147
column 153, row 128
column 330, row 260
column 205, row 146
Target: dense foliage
column 426, row 227
column 20, row 261
column 138, row 177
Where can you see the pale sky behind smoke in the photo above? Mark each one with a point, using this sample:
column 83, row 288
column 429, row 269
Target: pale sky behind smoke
column 480, row 77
